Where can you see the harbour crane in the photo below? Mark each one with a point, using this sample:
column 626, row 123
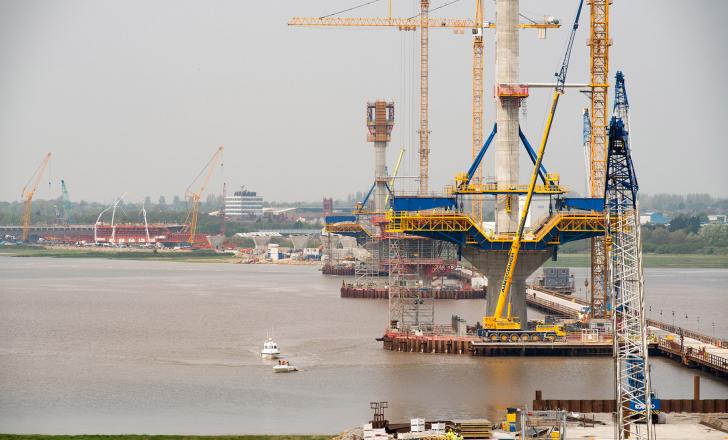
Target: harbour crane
column 498, row 327
column 29, row 191
column 424, row 23
column 195, row 196
column 635, row 401
column 67, row 207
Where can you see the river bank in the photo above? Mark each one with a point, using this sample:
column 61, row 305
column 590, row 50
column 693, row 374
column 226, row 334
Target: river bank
column 162, row 437
column 685, row 261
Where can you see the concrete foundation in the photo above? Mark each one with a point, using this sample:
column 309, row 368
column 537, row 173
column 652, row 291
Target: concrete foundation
column 299, row 241
column 492, row 264
column 261, row 243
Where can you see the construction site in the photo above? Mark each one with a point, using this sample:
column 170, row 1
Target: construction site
column 414, row 247
column 482, row 239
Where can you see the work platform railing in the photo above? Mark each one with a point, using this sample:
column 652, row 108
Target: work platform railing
column 688, row 333
column 347, row 228
column 692, row 355
column 494, row 188
column 460, row 228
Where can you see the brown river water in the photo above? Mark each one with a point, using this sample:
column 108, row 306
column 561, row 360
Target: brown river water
column 112, row 346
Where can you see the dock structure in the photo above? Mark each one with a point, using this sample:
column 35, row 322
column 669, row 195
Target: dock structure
column 694, row 405
column 365, row 292
column 692, row 349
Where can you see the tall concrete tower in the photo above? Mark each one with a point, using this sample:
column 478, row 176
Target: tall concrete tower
column 380, row 121
column 506, row 113
column 508, row 93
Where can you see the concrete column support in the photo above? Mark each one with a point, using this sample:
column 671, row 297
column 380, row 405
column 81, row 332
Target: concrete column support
column 492, row 264
column 380, row 175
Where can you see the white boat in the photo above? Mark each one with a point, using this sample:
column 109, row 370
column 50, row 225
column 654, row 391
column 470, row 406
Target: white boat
column 284, row 367
column 270, row 350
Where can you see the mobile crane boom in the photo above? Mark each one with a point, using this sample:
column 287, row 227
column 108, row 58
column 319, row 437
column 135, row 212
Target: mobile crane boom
column 497, row 321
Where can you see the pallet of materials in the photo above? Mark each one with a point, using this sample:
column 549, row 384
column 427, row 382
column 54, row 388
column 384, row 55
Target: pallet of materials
column 474, row 428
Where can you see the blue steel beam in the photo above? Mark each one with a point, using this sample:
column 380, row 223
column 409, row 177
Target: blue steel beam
column 481, row 154
column 532, row 154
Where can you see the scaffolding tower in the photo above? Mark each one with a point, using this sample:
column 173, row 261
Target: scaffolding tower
column 411, row 307
column 369, row 268
column 414, row 263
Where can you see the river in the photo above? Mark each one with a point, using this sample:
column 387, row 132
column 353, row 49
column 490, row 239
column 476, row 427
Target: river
column 114, row 346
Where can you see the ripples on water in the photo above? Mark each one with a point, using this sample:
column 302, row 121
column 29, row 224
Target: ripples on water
column 104, row 346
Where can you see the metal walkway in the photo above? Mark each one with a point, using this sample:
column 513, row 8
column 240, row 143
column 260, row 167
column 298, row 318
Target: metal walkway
column 460, row 229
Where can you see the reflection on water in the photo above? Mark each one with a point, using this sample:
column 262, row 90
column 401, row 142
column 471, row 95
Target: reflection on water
column 163, row 347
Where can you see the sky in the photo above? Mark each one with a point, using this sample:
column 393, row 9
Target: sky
column 133, row 97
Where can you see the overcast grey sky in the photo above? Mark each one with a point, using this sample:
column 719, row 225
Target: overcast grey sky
column 134, row 96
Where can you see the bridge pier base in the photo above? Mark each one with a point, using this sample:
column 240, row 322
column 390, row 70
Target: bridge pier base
column 492, row 264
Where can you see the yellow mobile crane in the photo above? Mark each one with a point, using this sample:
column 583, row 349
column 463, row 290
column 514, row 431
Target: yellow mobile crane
column 497, row 327
column 29, row 192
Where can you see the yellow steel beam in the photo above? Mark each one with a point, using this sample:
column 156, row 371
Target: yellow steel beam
column 493, row 188
column 403, row 222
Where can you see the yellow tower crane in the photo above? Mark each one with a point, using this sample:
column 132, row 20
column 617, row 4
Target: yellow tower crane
column 29, row 191
column 195, row 196
column 599, row 43
column 424, row 22
column 477, row 202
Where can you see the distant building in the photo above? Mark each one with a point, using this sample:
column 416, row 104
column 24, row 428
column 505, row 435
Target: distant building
column 718, row 219
column 328, row 206
column 654, row 218
column 243, row 204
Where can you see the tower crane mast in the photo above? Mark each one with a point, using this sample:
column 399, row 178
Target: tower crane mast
column 599, row 43
column 195, row 196
column 29, row 191
column 424, row 131
column 477, row 136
